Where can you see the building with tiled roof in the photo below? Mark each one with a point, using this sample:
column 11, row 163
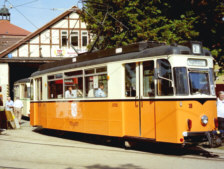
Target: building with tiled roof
column 9, row 33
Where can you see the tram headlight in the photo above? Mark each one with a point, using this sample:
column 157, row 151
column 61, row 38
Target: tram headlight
column 204, row 120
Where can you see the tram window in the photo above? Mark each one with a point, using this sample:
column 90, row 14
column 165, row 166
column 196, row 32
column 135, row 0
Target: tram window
column 50, row 77
column 101, row 69
column 58, row 76
column 31, row 89
column 38, row 91
column 55, row 89
column 73, row 87
column 164, row 87
column 181, row 81
column 1, row 100
column 148, row 79
column 24, row 91
column 74, row 73
column 212, row 77
column 89, row 71
column 199, row 83
column 90, row 92
column 96, row 85
column 130, row 80
column 16, row 91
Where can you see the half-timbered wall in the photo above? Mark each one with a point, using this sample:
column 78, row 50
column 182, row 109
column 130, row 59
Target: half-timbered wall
column 56, row 40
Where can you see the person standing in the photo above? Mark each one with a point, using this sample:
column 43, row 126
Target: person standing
column 18, row 106
column 9, row 104
column 220, row 110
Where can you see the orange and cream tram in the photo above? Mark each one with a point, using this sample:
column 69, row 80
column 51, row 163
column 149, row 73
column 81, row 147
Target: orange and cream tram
column 150, row 91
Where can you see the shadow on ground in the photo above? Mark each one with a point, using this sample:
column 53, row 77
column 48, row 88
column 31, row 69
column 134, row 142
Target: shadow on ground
column 140, row 146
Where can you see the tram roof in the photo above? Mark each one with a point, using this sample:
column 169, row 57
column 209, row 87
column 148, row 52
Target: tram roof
column 25, row 80
column 133, row 51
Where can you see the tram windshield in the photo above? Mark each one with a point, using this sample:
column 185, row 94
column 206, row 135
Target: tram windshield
column 199, row 82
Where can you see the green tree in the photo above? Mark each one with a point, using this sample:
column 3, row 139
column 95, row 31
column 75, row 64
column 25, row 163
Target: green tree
column 209, row 21
column 133, row 21
column 158, row 20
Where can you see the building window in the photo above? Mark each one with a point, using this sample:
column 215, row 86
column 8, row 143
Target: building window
column 75, row 39
column 84, row 39
column 64, row 38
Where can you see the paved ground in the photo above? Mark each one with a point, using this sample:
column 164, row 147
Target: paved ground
column 33, row 148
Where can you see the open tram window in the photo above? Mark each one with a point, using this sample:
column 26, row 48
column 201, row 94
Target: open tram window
column 148, row 79
column 73, row 84
column 130, row 80
column 55, row 87
column 181, row 81
column 164, row 83
column 96, row 82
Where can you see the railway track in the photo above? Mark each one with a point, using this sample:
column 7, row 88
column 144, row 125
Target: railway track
column 116, row 145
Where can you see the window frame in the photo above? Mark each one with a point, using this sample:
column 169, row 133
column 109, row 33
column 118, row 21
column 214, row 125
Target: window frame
column 64, row 31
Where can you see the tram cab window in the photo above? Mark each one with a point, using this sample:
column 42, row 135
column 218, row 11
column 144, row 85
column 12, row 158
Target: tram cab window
column 73, row 84
column 181, row 81
column 130, row 80
column 96, row 82
column 148, row 79
column 55, row 87
column 164, row 82
column 199, row 82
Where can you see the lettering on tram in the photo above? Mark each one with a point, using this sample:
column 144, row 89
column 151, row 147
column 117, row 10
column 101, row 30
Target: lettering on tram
column 151, row 91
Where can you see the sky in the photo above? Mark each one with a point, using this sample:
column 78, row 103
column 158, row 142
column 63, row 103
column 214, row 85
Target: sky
column 33, row 14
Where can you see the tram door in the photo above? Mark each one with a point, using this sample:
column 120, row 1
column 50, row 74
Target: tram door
column 139, row 89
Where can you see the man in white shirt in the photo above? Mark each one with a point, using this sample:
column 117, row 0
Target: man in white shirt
column 70, row 93
column 99, row 92
column 9, row 104
column 220, row 110
column 18, row 106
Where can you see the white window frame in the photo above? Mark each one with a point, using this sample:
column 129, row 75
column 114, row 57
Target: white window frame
column 66, row 38
column 82, row 39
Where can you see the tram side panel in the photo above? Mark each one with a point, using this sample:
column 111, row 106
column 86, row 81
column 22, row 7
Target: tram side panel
column 34, row 115
column 103, row 118
column 166, row 121
column 148, row 119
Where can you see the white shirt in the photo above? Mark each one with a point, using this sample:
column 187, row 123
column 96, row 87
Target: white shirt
column 18, row 104
column 73, row 94
column 8, row 104
column 220, row 108
column 100, row 93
